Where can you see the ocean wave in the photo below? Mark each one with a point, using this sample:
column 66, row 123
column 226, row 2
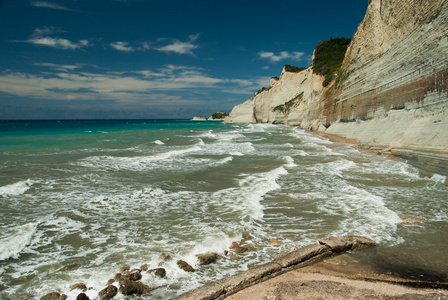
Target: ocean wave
column 16, row 189
column 136, row 163
column 362, row 213
column 438, row 178
column 16, row 240
column 289, row 162
column 248, row 196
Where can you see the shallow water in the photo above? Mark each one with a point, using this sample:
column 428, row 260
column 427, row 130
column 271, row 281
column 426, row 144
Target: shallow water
column 103, row 194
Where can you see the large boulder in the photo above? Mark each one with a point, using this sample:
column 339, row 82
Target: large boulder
column 130, row 287
column 82, row 296
column 51, row 296
column 185, row 266
column 80, row 286
column 108, row 292
column 161, row 272
column 206, row 258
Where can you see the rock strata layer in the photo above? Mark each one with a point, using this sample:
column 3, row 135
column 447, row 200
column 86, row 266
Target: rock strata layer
column 391, row 93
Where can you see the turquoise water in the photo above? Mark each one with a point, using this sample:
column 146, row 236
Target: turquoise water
column 103, row 194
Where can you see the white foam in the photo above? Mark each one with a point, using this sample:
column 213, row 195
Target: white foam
column 290, row 162
column 438, row 178
column 199, row 142
column 12, row 243
column 135, row 162
column 363, row 213
column 158, row 142
column 17, row 188
column 236, row 153
column 222, row 161
column 248, row 196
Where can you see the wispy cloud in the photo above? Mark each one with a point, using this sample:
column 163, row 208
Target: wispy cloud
column 180, row 47
column 70, row 82
column 272, row 57
column 64, row 68
column 42, row 37
column 163, row 44
column 49, row 5
column 122, row 46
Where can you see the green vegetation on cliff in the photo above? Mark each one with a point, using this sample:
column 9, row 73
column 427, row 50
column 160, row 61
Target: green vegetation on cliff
column 220, row 115
column 293, row 69
column 286, row 108
column 328, row 58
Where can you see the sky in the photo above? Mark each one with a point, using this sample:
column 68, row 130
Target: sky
column 108, row 59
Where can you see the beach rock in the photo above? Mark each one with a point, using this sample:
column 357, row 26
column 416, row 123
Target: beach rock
column 185, row 266
column 80, row 286
column 129, row 287
column 144, row 267
column 134, row 275
column 241, row 249
column 302, row 254
column 63, row 297
column 51, row 296
column 361, row 242
column 275, row 242
column 337, row 244
column 118, row 276
column 124, row 269
column 165, row 257
column 161, row 272
column 110, row 281
column 207, row 258
column 108, row 293
column 82, row 296
column 341, row 244
column 234, row 245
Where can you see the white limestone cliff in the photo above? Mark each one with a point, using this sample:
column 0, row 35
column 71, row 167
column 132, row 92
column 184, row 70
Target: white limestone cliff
column 393, row 91
column 285, row 101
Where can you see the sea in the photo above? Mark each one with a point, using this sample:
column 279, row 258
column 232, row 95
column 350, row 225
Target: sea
column 82, row 198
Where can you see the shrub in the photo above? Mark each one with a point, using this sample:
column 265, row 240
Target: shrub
column 285, row 108
column 220, row 115
column 262, row 90
column 293, row 69
column 328, row 58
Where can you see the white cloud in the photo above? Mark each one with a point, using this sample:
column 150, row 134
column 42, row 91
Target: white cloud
column 272, row 57
column 49, row 5
column 69, row 83
column 122, row 46
column 64, row 68
column 180, row 47
column 41, row 37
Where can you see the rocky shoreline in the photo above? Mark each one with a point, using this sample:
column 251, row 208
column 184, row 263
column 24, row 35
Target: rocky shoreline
column 128, row 281
column 295, row 259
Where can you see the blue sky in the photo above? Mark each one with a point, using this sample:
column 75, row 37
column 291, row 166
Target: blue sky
column 154, row 58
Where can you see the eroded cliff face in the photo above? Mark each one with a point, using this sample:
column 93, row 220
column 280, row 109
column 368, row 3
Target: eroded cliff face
column 288, row 101
column 392, row 92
